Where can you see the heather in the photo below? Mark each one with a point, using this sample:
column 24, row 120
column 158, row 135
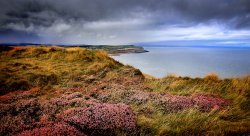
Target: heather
column 101, row 119
column 75, row 91
column 52, row 130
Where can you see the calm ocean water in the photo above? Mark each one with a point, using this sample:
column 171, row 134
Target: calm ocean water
column 190, row 61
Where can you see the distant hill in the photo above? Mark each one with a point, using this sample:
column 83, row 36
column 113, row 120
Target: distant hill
column 111, row 49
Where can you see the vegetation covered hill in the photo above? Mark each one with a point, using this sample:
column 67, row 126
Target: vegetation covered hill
column 75, row 91
column 111, row 49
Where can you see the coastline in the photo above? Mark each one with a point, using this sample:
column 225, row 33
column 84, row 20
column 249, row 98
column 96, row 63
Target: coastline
column 113, row 50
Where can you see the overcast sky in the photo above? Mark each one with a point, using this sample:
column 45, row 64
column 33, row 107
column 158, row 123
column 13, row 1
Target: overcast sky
column 125, row 21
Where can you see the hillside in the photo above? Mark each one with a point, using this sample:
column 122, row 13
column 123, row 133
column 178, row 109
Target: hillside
column 76, row 91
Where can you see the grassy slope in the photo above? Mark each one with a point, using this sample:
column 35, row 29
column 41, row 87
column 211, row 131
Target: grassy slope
column 46, row 73
column 234, row 119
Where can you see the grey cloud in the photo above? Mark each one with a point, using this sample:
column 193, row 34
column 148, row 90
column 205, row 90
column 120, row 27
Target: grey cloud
column 75, row 16
column 44, row 12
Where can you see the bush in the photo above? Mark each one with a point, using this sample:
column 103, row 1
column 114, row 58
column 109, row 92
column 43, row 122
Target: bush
column 208, row 102
column 19, row 116
column 102, row 117
column 43, row 80
column 137, row 72
column 245, row 105
column 52, row 130
column 38, row 51
column 13, row 85
column 16, row 51
column 5, row 48
column 19, row 85
column 211, row 77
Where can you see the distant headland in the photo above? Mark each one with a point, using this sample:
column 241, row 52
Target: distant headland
column 111, row 49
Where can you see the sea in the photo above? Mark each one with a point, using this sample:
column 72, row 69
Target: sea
column 226, row 62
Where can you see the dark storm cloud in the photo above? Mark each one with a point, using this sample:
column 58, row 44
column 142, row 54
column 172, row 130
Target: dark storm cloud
column 234, row 13
column 97, row 18
column 45, row 12
column 12, row 36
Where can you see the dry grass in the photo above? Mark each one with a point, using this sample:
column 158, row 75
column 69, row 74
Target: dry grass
column 211, row 77
column 235, row 119
column 25, row 67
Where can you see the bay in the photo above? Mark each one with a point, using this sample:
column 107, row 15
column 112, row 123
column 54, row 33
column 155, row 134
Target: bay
column 190, row 61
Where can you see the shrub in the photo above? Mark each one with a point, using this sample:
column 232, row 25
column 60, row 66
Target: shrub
column 72, row 95
column 52, row 130
column 102, row 117
column 53, row 49
column 101, row 54
column 208, row 102
column 177, row 103
column 171, row 75
column 211, row 77
column 136, row 72
column 245, row 105
column 174, row 103
column 43, row 80
column 38, row 51
column 139, row 98
column 18, row 95
column 19, row 116
column 56, row 105
column 9, row 84
column 16, row 51
column 12, row 124
column 19, row 85
column 5, row 48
